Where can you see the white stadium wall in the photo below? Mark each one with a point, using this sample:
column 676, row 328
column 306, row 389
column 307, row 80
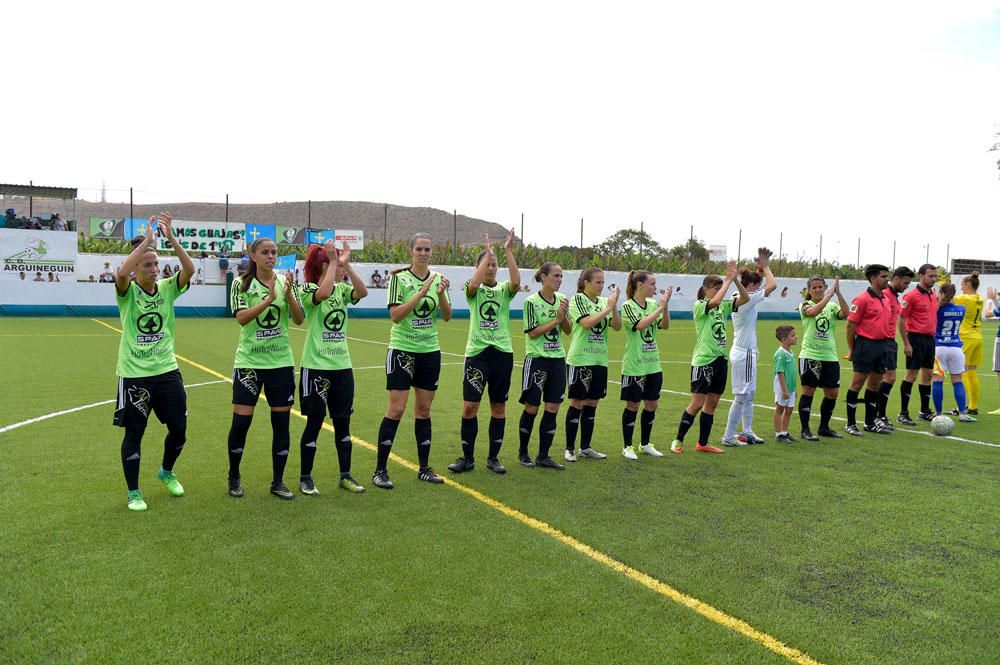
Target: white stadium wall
column 81, row 298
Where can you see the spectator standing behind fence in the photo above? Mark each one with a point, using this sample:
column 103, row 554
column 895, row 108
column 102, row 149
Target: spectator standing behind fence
column 58, row 223
column 223, row 262
column 106, row 275
column 376, row 279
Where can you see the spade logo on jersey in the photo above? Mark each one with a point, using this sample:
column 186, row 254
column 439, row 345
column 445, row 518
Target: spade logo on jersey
column 823, row 324
column 719, row 331
column 321, row 386
column 489, row 310
column 268, row 321
column 334, row 323
column 648, row 337
column 475, row 378
column 551, row 339
column 139, row 397
column 248, row 379
column 423, row 312
column 150, row 327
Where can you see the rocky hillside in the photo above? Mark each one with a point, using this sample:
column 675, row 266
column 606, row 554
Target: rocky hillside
column 403, row 221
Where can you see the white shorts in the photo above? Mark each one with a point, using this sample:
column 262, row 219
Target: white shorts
column 949, row 360
column 743, row 370
column 777, row 395
column 996, row 355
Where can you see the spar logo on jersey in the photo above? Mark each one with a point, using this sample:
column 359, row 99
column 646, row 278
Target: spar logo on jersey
column 268, row 321
column 648, row 337
column 334, row 323
column 150, row 327
column 597, row 332
column 139, row 398
column 719, row 331
column 247, row 379
column 423, row 311
column 488, row 313
column 321, row 386
column 475, row 378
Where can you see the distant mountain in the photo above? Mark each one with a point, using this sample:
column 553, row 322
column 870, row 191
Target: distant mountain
column 403, row 221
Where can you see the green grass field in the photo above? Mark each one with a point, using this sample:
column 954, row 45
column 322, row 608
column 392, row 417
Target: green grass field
column 872, row 550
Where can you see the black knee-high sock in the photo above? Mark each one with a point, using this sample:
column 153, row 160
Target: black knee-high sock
column 871, row 406
column 686, row 421
column 546, row 432
column 905, row 390
column 628, row 426
column 422, row 431
column 173, row 444
column 587, row 418
column 884, row 390
column 524, row 427
column 307, row 444
column 281, row 440
column 237, row 441
column 469, row 431
column 925, row 398
column 386, row 435
column 131, row 454
column 805, row 410
column 705, row 427
column 852, row 407
column 646, row 426
column 826, row 409
column 342, row 439
column 572, row 425
column 497, row 426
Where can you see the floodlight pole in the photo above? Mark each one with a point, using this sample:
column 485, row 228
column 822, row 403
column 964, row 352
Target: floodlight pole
column 642, row 230
column 31, row 201
column 227, row 210
column 781, row 242
column 859, row 252
column 821, row 248
column 385, row 222
column 454, row 242
column 520, row 258
column 130, row 213
column 739, row 246
column 894, row 254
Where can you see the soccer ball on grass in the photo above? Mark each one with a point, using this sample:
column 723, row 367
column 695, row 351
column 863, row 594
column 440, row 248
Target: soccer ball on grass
column 943, row 425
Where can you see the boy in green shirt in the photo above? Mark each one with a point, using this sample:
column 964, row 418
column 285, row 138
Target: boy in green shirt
column 784, row 382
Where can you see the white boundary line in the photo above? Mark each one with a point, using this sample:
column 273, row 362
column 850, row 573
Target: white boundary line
column 32, row 421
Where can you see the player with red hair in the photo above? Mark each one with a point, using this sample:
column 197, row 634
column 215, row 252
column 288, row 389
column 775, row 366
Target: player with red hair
column 326, row 382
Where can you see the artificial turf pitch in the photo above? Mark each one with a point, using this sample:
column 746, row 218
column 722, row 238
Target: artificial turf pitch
column 883, row 549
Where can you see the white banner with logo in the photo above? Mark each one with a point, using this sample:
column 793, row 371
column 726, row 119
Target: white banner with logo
column 206, row 237
column 35, row 254
column 355, row 239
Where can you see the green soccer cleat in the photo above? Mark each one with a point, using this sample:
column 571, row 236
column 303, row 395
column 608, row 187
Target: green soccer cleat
column 135, row 501
column 351, row 485
column 676, row 447
column 170, row 480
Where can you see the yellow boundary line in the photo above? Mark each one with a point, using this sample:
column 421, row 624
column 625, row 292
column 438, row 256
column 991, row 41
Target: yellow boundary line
column 634, row 574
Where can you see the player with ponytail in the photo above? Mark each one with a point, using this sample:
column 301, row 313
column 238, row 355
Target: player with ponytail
column 642, row 376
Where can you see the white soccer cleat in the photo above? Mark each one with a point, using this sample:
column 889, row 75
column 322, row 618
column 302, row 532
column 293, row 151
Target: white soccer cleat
column 591, row 453
column 650, row 450
column 629, row 453
column 570, row 456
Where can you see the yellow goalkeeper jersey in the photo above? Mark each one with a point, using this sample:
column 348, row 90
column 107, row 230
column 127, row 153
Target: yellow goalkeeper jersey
column 972, row 324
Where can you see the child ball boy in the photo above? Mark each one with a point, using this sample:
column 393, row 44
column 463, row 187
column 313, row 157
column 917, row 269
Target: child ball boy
column 784, row 382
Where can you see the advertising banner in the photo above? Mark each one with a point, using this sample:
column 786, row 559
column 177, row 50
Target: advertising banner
column 355, row 239
column 195, row 236
column 33, row 252
column 290, row 235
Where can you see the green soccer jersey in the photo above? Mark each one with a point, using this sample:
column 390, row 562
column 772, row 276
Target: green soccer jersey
column 784, row 362
column 588, row 347
column 537, row 312
column 264, row 342
column 819, row 341
column 489, row 318
column 641, row 353
column 417, row 332
column 326, row 328
column 710, row 331
column 147, row 344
